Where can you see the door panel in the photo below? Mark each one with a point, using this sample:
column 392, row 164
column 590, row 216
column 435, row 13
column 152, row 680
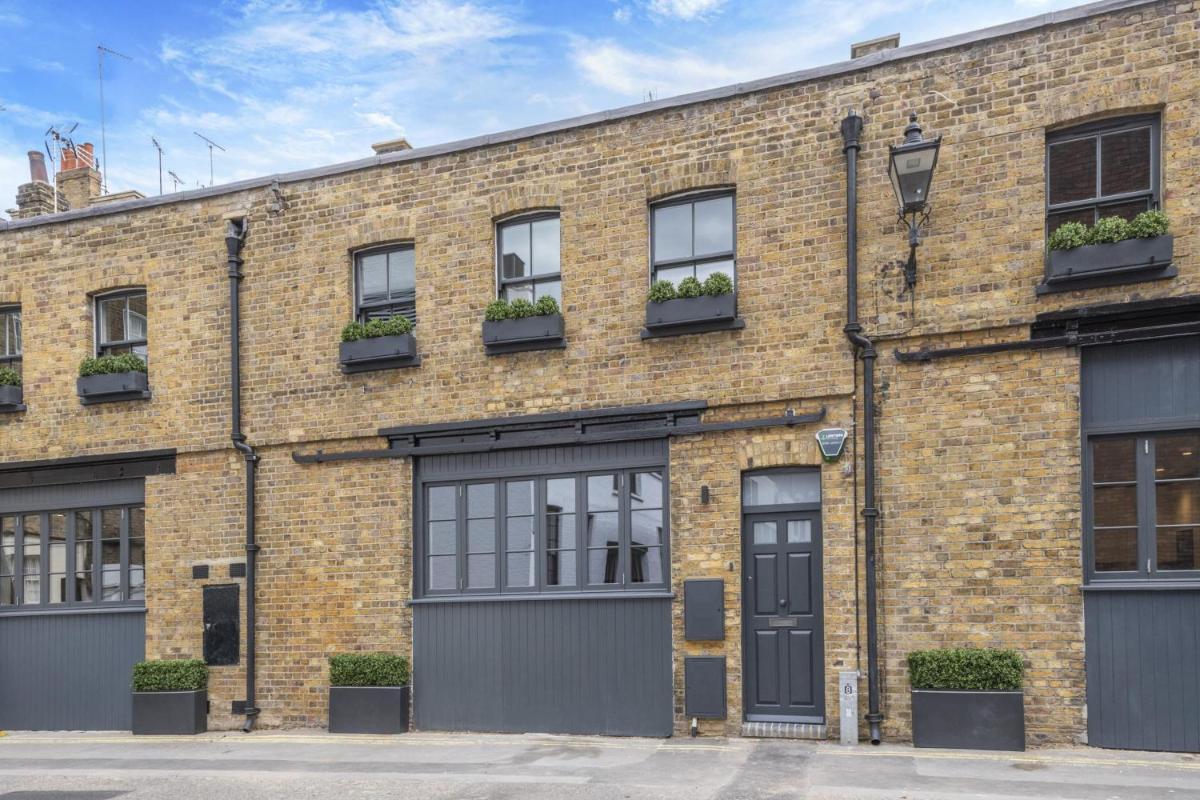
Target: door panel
column 765, row 597
column 766, row 650
column 800, row 660
column 799, row 581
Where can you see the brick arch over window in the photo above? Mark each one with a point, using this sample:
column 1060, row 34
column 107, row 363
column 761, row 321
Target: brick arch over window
column 716, row 173
column 513, row 201
column 378, row 233
column 1076, row 105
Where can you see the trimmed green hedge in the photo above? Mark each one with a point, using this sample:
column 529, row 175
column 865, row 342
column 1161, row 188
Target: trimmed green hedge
column 392, row 326
column 180, row 675
column 966, row 669
column 501, row 309
column 714, row 285
column 368, row 669
column 1109, row 230
column 110, row 365
column 9, row 377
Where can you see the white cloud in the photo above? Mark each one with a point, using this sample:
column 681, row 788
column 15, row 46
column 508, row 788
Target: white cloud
column 613, row 66
column 623, row 14
column 685, row 9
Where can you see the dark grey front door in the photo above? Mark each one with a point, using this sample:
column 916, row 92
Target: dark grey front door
column 782, row 611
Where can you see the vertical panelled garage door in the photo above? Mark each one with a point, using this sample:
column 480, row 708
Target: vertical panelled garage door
column 72, row 616
column 549, row 612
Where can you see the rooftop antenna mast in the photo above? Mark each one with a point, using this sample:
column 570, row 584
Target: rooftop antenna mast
column 178, row 180
column 59, row 135
column 211, row 144
column 158, row 147
column 101, row 50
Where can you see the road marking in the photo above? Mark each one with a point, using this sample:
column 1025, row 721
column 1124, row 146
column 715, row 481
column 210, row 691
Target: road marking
column 1050, row 760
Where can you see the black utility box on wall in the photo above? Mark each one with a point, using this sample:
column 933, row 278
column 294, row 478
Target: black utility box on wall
column 704, row 610
column 221, row 625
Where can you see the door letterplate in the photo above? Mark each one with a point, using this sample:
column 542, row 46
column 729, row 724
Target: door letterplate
column 781, row 622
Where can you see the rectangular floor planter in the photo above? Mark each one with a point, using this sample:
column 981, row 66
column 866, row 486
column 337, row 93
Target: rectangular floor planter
column 12, row 398
column 968, row 720
column 544, row 332
column 380, row 352
column 368, row 709
column 170, row 713
column 692, row 315
column 1105, row 264
column 112, row 387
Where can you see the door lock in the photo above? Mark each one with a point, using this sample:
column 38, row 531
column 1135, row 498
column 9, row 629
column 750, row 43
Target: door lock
column 782, row 602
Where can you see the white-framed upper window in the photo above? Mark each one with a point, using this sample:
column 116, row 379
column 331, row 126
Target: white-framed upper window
column 10, row 337
column 121, row 323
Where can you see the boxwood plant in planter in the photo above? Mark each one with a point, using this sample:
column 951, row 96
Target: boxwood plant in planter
column 967, row 698
column 691, row 307
column 11, row 395
column 1113, row 250
column 368, row 693
column 522, row 325
column 170, row 697
column 378, row 344
column 106, row 379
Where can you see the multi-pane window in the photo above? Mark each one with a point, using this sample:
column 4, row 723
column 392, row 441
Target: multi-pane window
column 73, row 557
column 528, row 258
column 10, row 337
column 692, row 237
column 1102, row 170
column 1145, row 505
column 121, row 325
column 385, row 283
column 584, row 532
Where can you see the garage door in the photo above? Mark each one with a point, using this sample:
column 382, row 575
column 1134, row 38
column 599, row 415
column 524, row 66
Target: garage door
column 72, row 604
column 542, row 591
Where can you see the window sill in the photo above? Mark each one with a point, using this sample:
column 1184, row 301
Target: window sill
column 545, row 596
column 1162, row 585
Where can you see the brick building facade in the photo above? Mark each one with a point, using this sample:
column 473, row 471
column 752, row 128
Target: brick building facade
column 980, row 456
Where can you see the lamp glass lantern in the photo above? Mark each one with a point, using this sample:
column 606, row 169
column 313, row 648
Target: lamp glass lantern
column 911, row 168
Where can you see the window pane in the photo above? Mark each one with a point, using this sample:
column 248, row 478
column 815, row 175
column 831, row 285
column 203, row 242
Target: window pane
column 58, row 543
column 799, row 531
column 514, row 251
column 83, row 553
column 1178, row 503
column 372, row 278
column 519, row 497
column 442, row 538
column 110, row 553
column 714, row 226
column 481, row 500
column 136, row 326
column 33, row 590
column 646, row 527
column 83, row 587
column 602, row 529
column 602, row 492
column 765, row 533
column 545, row 246
column 1125, row 161
column 83, row 526
column 1114, row 506
column 137, row 552
column 1126, row 211
column 441, row 572
column 1177, row 456
column 520, row 569
column 560, row 568
column 112, row 319
column 1086, row 216
column 1178, row 548
column 781, row 488
column 10, row 333
column 441, row 502
column 645, row 565
column 560, row 531
column 137, row 583
column 675, row 274
column 646, row 490
column 1114, row 460
column 604, row 565
column 560, row 494
column 137, row 522
column 519, row 291
column 1072, row 170
column 481, row 535
column 481, row 571
column 1116, row 550
column 8, row 591
column 520, row 533
column 402, row 275
column 548, row 289
column 672, row 232
column 56, row 585
column 708, row 268
column 32, row 558
column 8, row 545
column 110, row 523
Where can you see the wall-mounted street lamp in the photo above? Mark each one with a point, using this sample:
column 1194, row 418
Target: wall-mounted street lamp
column 911, row 170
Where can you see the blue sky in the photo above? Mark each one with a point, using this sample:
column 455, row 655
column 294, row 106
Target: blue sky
column 287, row 84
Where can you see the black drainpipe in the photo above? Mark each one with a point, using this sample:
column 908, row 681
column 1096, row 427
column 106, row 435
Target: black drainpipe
column 235, row 237
column 865, row 348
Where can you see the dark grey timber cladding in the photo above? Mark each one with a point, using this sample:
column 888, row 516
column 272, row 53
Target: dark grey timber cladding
column 544, row 460
column 555, row 666
column 1141, row 383
column 1142, row 652
column 83, row 495
column 69, row 671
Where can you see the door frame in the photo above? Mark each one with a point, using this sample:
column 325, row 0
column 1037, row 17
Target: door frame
column 749, row 515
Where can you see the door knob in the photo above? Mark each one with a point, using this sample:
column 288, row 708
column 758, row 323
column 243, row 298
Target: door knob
column 782, row 602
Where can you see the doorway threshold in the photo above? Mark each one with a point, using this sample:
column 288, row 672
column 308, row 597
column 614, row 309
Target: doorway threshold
column 784, row 730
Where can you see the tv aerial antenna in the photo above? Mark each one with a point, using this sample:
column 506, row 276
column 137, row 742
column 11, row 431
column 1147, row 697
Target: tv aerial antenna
column 211, row 144
column 101, row 51
column 178, row 180
column 159, row 148
column 58, row 138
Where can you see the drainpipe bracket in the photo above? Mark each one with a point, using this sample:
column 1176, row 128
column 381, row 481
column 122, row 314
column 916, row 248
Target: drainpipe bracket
column 870, row 513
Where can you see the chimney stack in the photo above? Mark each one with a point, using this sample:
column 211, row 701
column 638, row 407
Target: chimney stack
column 78, row 179
column 889, row 42
column 391, row 146
column 37, row 197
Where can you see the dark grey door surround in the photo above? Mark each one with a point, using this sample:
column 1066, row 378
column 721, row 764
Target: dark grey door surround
column 782, row 611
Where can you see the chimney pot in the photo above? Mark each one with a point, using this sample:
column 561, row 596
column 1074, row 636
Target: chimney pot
column 37, row 167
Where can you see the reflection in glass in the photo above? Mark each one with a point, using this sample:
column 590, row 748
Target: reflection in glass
column 1116, row 550
column 781, row 488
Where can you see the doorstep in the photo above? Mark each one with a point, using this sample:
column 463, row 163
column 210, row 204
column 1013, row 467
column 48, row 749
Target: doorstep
column 783, row 730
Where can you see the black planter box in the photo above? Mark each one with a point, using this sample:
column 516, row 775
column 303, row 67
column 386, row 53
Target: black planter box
column 11, row 398
column 1106, row 264
column 368, row 709
column 968, row 720
column 113, row 387
column 170, row 713
column 543, row 332
column 692, row 315
column 380, row 352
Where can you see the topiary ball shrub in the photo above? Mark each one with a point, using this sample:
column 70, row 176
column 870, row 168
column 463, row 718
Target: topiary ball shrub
column 521, row 308
column 110, row 365
column 546, row 306
column 689, row 287
column 1109, row 230
column 1149, row 224
column 1068, row 236
column 368, row 669
column 661, row 292
column 182, row 675
column 396, row 326
column 966, row 669
column 497, row 310
column 9, row 377
column 718, row 284
column 373, row 329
